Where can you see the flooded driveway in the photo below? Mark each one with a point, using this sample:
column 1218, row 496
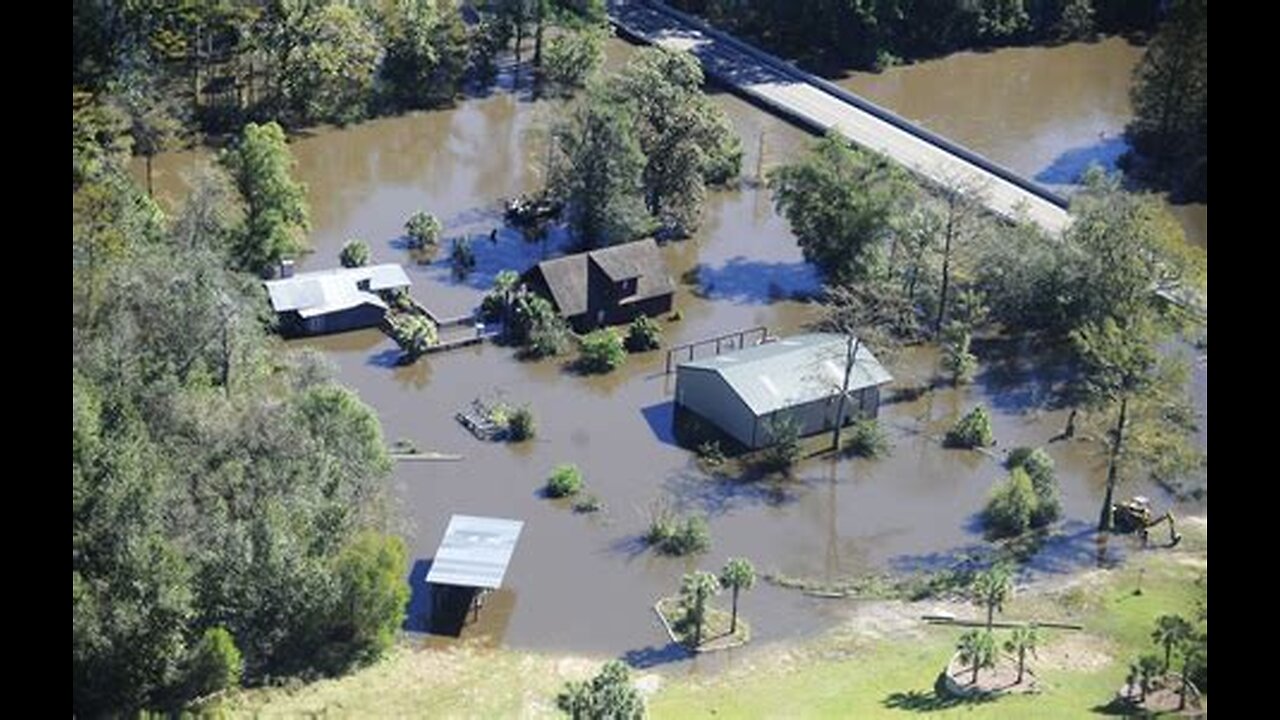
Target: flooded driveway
column 584, row 582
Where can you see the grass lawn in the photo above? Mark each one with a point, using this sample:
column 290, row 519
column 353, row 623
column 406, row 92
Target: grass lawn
column 848, row 672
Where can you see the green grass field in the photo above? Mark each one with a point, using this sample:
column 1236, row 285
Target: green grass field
column 849, row 672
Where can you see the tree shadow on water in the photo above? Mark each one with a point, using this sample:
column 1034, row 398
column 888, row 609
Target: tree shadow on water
column 718, row 493
column 743, row 281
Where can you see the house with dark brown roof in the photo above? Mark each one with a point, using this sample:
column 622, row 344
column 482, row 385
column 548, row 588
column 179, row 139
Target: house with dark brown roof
column 605, row 287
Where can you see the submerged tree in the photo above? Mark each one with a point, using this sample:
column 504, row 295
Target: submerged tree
column 275, row 204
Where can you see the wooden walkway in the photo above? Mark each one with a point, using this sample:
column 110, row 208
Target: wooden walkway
column 821, row 106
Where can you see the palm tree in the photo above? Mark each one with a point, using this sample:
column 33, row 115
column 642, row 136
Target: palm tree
column 1023, row 639
column 992, row 588
column 1171, row 631
column 737, row 574
column 1192, row 653
column 695, row 590
column 1148, row 668
column 978, row 649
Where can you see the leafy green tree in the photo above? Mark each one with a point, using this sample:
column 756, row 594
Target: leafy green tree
column 1012, row 505
column 956, row 357
column 1171, row 632
column 840, row 202
column 426, row 53
column 1076, row 20
column 962, row 202
column 1022, row 641
column 155, row 122
column 695, row 590
column 602, row 351
column 573, row 57
column 597, row 167
column 537, row 327
column 333, row 71
column 216, row 664
column 373, row 593
column 607, row 696
column 738, row 574
column 275, row 205
column 355, row 253
column 422, row 228
column 687, row 141
column 1170, row 97
column 565, row 480
column 1147, row 668
column 978, row 650
column 971, row 431
column 992, row 588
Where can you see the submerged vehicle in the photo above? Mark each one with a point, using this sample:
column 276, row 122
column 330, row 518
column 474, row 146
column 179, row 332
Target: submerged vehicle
column 1135, row 516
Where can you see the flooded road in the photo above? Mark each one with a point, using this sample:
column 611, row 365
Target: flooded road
column 584, row 582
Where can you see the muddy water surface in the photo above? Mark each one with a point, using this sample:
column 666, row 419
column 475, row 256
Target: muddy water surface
column 584, row 582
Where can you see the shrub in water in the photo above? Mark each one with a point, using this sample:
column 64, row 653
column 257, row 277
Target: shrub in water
column 587, row 504
column 602, row 351
column 867, row 439
column 785, row 450
column 565, row 480
column 354, row 254
column 1012, row 505
column 643, row 334
column 521, row 425
column 687, row 538
column 971, row 431
column 1039, row 467
column 423, row 229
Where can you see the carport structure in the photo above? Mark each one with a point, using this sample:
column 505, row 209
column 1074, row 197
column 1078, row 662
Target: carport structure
column 474, row 555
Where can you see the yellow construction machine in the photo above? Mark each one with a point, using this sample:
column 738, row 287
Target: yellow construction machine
column 1135, row 516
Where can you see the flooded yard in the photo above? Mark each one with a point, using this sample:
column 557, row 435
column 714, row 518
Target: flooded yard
column 585, row 582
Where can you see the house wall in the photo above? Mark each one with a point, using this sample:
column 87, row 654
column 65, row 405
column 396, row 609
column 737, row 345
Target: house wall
column 711, row 398
column 356, row 318
column 706, row 394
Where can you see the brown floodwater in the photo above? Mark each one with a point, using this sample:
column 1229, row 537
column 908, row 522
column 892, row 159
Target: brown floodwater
column 585, row 583
column 1044, row 112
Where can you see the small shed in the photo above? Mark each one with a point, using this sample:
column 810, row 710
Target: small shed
column 798, row 378
column 315, row 303
column 473, row 556
column 605, row 287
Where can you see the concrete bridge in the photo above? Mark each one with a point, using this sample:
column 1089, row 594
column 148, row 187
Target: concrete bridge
column 823, row 106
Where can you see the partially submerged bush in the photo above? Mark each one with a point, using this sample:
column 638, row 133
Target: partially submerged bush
column 686, row 538
column 413, row 333
column 643, row 334
column 601, row 352
column 710, row 453
column 537, row 327
column 784, row 431
column 462, row 257
column 354, row 254
column 521, row 425
column 956, row 356
column 423, row 229
column 1012, row 505
column 565, row 480
column 867, row 439
column 1039, row 467
column 971, row 431
column 587, row 504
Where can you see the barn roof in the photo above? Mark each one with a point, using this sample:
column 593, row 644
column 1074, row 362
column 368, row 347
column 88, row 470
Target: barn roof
column 475, row 551
column 792, row 371
column 329, row 291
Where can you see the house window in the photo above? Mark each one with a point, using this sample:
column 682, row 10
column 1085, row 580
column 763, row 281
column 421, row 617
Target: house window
column 627, row 287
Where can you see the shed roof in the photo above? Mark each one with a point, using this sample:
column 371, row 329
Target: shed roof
column 792, row 371
column 475, row 551
column 328, row 291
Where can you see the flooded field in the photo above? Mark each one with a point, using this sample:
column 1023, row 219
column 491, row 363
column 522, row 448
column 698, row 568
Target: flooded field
column 585, row 582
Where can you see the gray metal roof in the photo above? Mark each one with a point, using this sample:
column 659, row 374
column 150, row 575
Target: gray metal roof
column 327, row 291
column 475, row 551
column 792, row 371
